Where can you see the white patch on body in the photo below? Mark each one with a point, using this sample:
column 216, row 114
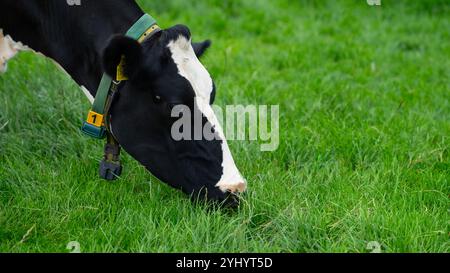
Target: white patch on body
column 87, row 94
column 8, row 49
column 190, row 68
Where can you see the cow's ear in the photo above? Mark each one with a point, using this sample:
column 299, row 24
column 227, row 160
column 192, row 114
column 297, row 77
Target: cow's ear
column 122, row 47
column 200, row 48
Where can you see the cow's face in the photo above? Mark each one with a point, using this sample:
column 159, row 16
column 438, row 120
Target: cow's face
column 165, row 72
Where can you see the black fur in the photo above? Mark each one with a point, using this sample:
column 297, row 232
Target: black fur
column 119, row 46
column 200, row 48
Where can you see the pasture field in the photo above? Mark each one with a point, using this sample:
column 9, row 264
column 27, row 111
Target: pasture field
column 364, row 155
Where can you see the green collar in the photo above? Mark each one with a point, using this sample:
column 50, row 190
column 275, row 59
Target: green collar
column 95, row 124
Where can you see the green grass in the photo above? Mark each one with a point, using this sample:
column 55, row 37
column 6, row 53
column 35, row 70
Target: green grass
column 364, row 97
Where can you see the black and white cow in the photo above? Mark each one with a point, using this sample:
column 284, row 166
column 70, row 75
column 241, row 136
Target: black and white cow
column 164, row 71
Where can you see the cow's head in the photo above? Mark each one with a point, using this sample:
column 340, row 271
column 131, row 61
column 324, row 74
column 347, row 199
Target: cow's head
column 165, row 72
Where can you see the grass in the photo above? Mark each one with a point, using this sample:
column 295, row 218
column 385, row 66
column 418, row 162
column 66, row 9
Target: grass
column 364, row 128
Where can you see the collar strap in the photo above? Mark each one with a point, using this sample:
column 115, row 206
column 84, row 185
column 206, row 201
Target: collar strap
column 142, row 28
column 95, row 124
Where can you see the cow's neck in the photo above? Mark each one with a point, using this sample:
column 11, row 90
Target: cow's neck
column 87, row 70
column 75, row 36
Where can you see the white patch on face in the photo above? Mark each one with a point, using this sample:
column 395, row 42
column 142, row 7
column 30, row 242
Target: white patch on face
column 190, row 68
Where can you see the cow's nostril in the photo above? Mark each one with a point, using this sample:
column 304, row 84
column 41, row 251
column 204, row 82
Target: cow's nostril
column 238, row 187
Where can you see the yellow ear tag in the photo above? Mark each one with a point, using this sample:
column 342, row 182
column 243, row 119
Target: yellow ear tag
column 121, row 70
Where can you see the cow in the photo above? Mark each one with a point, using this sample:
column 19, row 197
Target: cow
column 164, row 71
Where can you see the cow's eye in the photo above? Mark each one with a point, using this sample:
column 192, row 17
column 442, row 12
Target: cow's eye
column 157, row 99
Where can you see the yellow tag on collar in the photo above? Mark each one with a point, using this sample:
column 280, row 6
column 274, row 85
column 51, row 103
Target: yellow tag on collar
column 121, row 70
column 95, row 119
